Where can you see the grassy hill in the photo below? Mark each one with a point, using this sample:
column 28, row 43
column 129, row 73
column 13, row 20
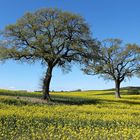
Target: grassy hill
column 71, row 116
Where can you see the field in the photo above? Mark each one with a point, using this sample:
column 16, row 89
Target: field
column 89, row 115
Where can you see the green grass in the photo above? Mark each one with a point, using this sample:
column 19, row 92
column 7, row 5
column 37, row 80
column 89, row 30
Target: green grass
column 87, row 115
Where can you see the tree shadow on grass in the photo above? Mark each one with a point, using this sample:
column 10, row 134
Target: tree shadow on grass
column 133, row 98
column 129, row 102
column 73, row 100
column 107, row 93
column 133, row 92
column 80, row 101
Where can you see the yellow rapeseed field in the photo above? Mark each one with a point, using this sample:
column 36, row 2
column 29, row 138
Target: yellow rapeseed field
column 90, row 115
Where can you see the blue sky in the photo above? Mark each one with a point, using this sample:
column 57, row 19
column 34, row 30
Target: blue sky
column 107, row 19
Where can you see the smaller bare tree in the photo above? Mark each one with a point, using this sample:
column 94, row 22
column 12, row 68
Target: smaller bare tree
column 116, row 62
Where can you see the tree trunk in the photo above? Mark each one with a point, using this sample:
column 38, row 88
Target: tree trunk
column 46, row 84
column 117, row 92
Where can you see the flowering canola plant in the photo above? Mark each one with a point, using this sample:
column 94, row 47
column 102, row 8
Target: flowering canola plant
column 91, row 115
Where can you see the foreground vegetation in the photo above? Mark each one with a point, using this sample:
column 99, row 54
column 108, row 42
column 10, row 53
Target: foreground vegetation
column 86, row 115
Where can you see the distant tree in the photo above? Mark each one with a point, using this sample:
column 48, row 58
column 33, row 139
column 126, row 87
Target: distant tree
column 51, row 36
column 117, row 62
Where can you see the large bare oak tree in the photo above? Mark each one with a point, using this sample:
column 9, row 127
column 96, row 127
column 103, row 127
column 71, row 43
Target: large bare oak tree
column 54, row 37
